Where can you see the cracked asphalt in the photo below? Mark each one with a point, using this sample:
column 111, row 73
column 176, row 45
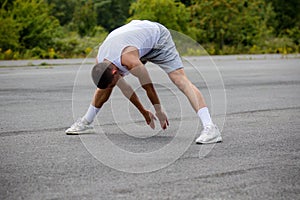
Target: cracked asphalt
column 257, row 110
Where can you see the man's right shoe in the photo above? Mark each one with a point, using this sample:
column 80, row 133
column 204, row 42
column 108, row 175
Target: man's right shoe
column 210, row 134
column 81, row 126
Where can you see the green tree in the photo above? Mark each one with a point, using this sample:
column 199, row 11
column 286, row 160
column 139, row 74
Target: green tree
column 9, row 29
column 112, row 13
column 5, row 4
column 287, row 14
column 173, row 15
column 231, row 22
column 62, row 10
column 287, row 24
column 84, row 18
column 187, row 3
column 32, row 23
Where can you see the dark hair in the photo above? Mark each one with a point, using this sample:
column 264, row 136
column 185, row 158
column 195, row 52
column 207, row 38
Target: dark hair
column 102, row 74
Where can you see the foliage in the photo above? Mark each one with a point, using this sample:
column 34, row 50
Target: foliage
column 112, row 13
column 28, row 24
column 72, row 28
column 231, row 22
column 9, row 31
column 63, row 10
column 38, row 28
column 288, row 15
column 287, row 20
column 76, row 46
column 84, row 18
column 29, row 31
column 173, row 15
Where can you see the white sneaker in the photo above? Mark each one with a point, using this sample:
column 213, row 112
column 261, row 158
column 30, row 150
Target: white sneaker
column 210, row 134
column 79, row 127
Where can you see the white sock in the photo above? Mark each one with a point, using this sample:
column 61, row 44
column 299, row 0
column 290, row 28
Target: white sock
column 204, row 115
column 91, row 113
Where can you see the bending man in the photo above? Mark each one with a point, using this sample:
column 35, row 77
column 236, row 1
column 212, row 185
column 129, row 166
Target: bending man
column 126, row 50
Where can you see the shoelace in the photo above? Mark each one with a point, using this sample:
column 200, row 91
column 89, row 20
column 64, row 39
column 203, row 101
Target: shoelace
column 207, row 128
column 77, row 123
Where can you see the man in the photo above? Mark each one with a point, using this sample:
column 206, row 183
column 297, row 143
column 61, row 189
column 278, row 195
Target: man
column 126, row 50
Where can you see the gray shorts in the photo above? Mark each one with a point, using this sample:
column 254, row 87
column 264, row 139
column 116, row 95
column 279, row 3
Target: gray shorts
column 164, row 53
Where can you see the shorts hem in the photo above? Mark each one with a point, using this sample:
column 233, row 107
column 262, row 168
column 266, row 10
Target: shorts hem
column 173, row 69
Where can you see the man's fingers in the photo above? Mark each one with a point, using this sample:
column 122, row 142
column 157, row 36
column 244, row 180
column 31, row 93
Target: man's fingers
column 154, row 117
column 163, row 120
column 151, row 123
column 164, row 124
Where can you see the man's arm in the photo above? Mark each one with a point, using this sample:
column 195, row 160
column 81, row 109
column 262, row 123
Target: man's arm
column 130, row 59
column 131, row 95
column 142, row 74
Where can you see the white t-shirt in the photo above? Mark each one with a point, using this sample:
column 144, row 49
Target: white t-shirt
column 141, row 34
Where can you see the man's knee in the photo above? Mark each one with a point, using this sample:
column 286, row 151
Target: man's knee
column 179, row 79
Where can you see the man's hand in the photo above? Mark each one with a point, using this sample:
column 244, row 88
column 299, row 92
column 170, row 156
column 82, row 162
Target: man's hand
column 164, row 123
column 150, row 118
column 130, row 59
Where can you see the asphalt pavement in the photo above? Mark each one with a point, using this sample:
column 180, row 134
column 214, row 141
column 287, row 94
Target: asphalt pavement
column 255, row 100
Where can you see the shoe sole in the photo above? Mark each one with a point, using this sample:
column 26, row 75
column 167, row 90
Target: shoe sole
column 81, row 132
column 217, row 140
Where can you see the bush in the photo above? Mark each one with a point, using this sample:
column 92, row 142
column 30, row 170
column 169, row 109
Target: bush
column 37, row 27
column 174, row 15
column 9, row 32
column 282, row 45
column 72, row 45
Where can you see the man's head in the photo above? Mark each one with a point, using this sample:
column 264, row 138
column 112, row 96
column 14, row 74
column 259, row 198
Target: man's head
column 105, row 75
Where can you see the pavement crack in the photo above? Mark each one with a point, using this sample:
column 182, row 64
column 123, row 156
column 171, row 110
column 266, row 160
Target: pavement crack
column 270, row 83
column 228, row 173
column 215, row 175
column 22, row 132
column 264, row 110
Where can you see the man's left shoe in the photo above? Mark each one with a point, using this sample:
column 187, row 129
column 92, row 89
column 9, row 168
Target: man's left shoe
column 210, row 134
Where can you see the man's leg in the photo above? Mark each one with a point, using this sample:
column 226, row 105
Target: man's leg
column 83, row 124
column 188, row 88
column 210, row 133
column 192, row 93
column 100, row 97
